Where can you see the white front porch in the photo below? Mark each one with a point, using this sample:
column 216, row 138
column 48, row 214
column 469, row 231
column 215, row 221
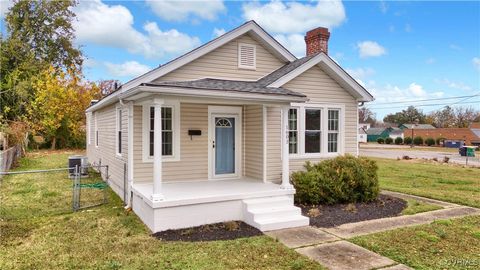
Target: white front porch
column 266, row 206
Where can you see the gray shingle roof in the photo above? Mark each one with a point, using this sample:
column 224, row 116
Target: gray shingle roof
column 375, row 131
column 419, row 126
column 229, row 85
column 282, row 71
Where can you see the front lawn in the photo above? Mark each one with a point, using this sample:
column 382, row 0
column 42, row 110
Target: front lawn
column 444, row 244
column 446, row 182
column 39, row 231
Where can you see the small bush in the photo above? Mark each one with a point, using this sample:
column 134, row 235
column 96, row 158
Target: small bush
column 398, row 140
column 430, row 141
column 408, row 140
column 388, row 140
column 339, row 180
column 418, row 140
column 439, row 141
column 380, row 140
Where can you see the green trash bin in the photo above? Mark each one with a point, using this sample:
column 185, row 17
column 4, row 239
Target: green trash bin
column 470, row 151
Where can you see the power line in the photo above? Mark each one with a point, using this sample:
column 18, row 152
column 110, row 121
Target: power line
column 430, row 99
column 424, row 105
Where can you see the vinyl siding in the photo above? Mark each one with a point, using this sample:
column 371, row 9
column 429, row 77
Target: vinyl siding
column 319, row 88
column 193, row 163
column 106, row 151
column 253, row 142
column 223, row 63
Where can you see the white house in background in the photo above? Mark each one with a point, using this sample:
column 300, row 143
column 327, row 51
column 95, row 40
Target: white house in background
column 212, row 135
column 362, row 135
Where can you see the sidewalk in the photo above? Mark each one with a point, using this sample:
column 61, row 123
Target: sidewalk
column 329, row 247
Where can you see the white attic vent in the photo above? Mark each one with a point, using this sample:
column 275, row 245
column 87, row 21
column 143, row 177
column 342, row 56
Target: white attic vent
column 246, row 56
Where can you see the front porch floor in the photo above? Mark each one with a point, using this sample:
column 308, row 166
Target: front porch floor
column 206, row 191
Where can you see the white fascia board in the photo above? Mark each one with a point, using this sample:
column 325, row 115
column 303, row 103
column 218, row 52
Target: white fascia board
column 332, row 69
column 188, row 92
column 255, row 29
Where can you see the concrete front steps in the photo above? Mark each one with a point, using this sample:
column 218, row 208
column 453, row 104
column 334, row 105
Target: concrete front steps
column 273, row 213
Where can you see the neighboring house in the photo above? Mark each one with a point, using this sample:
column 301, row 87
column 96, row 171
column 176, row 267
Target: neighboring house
column 212, row 135
column 452, row 134
column 416, row 126
column 383, row 132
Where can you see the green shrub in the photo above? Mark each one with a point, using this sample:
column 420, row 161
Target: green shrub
column 388, row 140
column 398, row 140
column 439, row 141
column 418, row 140
column 429, row 141
column 380, row 140
column 339, row 180
column 408, row 140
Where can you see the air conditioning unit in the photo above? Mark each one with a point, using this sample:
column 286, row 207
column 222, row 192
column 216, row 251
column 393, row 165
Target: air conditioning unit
column 81, row 162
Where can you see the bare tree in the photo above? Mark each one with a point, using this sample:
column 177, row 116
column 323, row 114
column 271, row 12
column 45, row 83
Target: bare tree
column 464, row 116
column 365, row 115
column 108, row 86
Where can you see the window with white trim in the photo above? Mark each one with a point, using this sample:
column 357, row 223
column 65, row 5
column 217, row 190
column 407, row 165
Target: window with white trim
column 170, row 132
column 89, row 127
column 96, row 130
column 315, row 130
column 247, row 56
column 333, row 129
column 167, row 131
column 118, row 132
column 293, row 131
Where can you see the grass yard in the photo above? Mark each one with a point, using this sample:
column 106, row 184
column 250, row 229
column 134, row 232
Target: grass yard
column 447, row 182
column 415, row 207
column 444, row 244
column 39, row 231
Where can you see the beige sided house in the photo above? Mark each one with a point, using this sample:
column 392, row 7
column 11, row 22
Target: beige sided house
column 212, row 135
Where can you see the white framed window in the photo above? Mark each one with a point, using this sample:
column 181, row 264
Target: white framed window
column 170, row 132
column 293, row 131
column 118, row 131
column 318, row 130
column 96, row 130
column 88, row 126
column 247, row 56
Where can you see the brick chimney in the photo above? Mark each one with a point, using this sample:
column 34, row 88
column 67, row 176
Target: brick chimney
column 317, row 40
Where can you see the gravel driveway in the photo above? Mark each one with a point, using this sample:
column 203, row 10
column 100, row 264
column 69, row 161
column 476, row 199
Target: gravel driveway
column 394, row 152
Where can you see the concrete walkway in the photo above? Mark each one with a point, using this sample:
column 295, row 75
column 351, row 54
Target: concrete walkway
column 328, row 246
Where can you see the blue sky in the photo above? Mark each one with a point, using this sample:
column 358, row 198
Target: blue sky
column 400, row 51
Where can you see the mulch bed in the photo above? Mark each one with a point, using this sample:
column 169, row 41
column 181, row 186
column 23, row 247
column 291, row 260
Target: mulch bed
column 210, row 232
column 333, row 215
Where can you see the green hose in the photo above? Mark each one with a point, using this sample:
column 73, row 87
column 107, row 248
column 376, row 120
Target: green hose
column 99, row 185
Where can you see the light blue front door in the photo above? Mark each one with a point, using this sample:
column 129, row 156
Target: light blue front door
column 224, row 145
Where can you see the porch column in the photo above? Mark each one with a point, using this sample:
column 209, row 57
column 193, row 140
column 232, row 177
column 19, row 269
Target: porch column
column 157, row 151
column 285, row 156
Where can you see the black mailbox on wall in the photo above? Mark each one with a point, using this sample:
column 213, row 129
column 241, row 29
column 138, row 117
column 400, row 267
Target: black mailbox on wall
column 194, row 132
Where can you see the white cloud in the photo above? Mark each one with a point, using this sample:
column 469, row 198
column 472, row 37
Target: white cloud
column 218, row 32
column 183, row 10
column 295, row 43
column 391, row 28
column 430, row 60
column 408, row 28
column 360, row 73
column 383, row 7
column 476, row 63
column 454, row 85
column 393, row 93
column 295, row 17
column 113, row 26
column 370, row 49
column 455, row 47
column 4, row 6
column 126, row 69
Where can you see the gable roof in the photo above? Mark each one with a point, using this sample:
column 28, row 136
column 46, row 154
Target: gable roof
column 375, row 131
column 228, row 85
column 286, row 74
column 250, row 27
